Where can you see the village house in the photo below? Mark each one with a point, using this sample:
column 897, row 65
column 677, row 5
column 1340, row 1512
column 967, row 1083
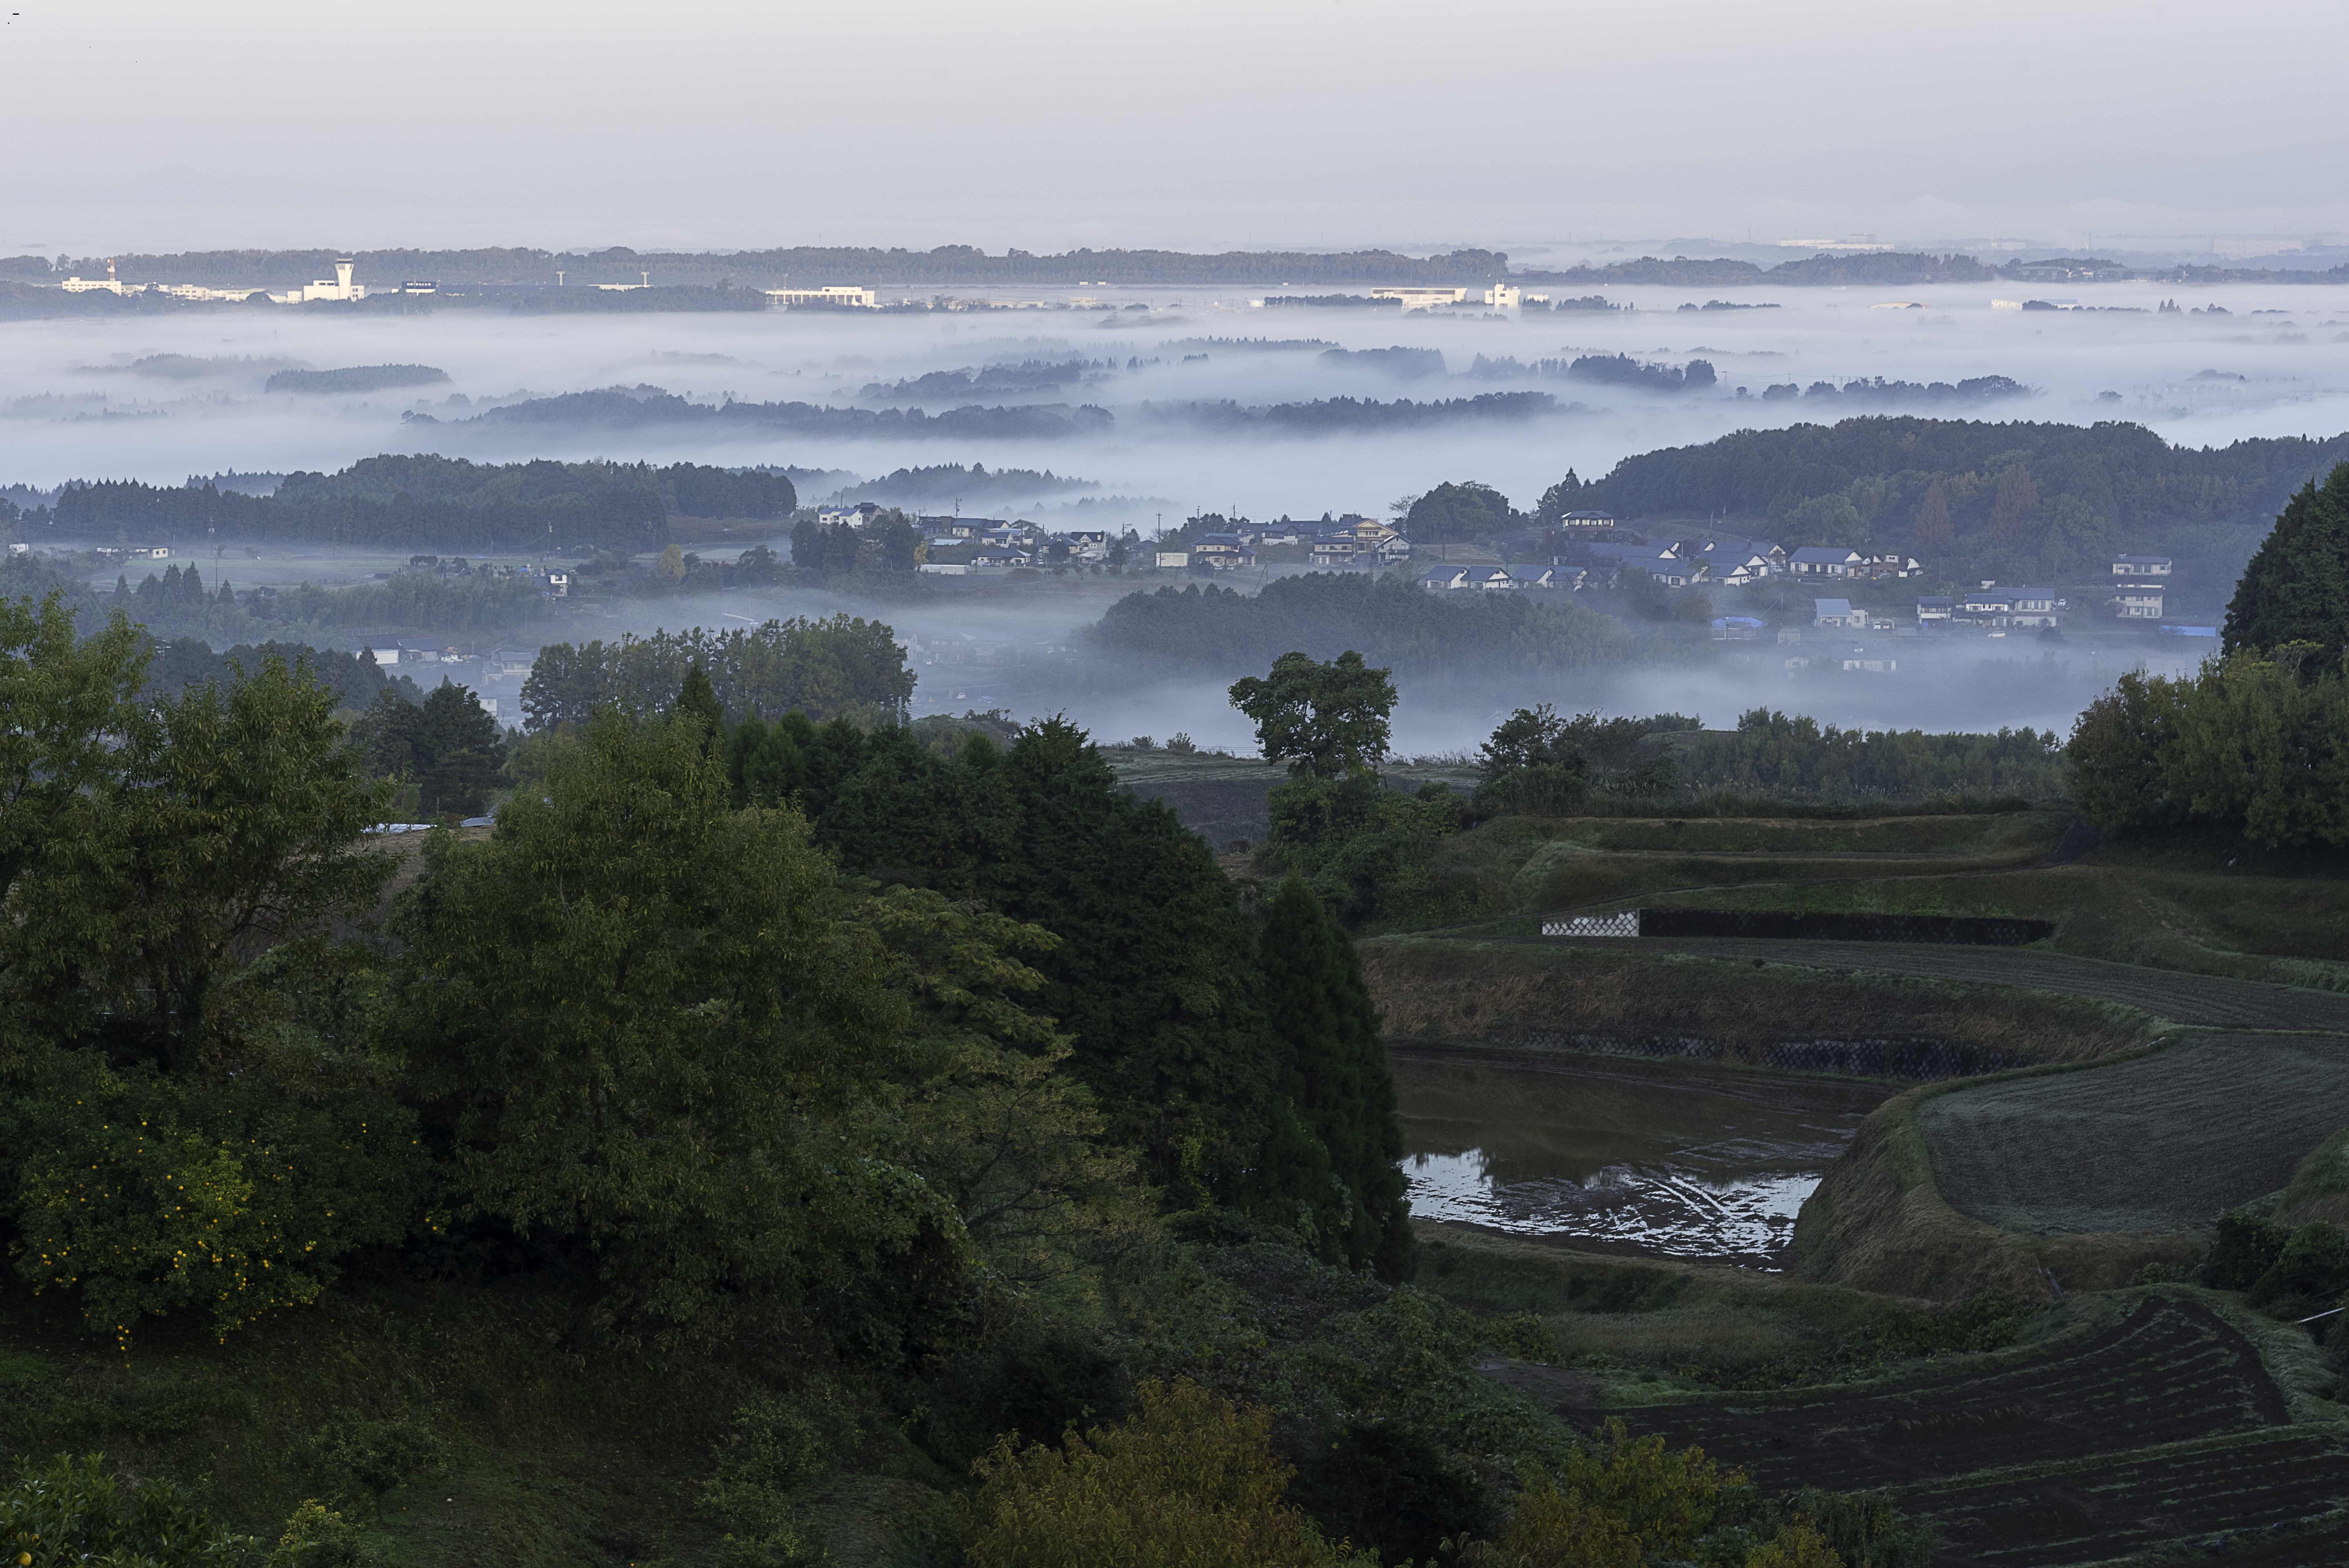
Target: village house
column 1822, row 560
column 1837, row 613
column 2141, row 565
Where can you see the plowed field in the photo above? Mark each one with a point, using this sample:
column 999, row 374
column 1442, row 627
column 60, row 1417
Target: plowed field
column 2109, row 1148
column 2161, row 1428
column 2169, row 1372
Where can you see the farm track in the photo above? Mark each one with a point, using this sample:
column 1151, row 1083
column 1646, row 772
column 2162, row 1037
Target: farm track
column 2205, row 1001
column 2084, row 1153
column 2161, row 1428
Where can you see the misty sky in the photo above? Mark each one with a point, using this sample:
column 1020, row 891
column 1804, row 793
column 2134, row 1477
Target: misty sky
column 1534, row 128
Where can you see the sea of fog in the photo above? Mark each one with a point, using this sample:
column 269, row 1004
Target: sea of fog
column 75, row 402
column 72, row 407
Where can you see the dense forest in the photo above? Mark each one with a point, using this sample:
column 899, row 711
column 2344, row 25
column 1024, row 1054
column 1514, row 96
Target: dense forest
column 2032, row 499
column 432, row 501
column 844, row 667
column 2256, row 742
column 1388, row 619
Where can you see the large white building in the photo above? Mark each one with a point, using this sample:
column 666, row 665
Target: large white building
column 1421, row 299
column 862, row 299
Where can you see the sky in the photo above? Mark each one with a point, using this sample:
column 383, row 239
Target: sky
column 1516, row 125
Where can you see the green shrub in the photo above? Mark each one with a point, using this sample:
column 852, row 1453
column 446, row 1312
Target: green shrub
column 1522, row 1336
column 71, row 1510
column 2311, row 1270
column 1190, row 1479
column 777, row 1447
column 1390, row 1488
column 151, row 1195
column 1033, row 1388
column 356, row 1458
column 2246, row 1248
column 318, row 1536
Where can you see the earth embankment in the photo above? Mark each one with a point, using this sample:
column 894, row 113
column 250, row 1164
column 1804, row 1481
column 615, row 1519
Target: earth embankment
column 2210, row 1001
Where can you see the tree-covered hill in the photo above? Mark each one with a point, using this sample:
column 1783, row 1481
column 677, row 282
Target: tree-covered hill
column 429, row 500
column 2021, row 497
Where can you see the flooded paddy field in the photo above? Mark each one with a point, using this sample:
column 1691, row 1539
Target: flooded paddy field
column 1683, row 1161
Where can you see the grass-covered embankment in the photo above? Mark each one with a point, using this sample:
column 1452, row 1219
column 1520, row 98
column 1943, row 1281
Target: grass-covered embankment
column 1531, row 995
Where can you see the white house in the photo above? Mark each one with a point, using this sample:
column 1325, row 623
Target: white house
column 1421, row 298
column 2141, row 565
column 1837, row 613
column 1175, row 558
column 1589, row 519
column 2137, row 602
column 1490, row 579
column 2035, row 608
column 1933, row 609
column 1442, row 579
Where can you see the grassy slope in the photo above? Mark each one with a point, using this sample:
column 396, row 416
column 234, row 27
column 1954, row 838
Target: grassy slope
column 557, row 1458
column 1515, row 992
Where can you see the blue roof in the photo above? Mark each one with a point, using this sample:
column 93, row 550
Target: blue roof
column 1735, row 620
column 2189, row 631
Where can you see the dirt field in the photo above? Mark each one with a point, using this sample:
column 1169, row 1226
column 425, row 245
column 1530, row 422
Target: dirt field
column 2109, row 1149
column 2209, row 1001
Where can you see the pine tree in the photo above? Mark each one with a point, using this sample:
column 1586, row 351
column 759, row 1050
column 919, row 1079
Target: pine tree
column 1337, row 1079
column 2296, row 588
column 697, row 699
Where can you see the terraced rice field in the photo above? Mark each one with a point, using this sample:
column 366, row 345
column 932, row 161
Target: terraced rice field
column 2207, row 1001
column 2161, row 1428
column 2107, row 1148
column 2168, row 1371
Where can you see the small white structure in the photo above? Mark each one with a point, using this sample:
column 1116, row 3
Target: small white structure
column 1504, row 296
column 2137, row 602
column 1175, row 560
column 1837, row 613
column 1624, row 924
column 2141, row 565
column 1442, row 579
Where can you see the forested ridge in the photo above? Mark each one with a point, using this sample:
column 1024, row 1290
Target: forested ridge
column 429, row 500
column 2014, row 500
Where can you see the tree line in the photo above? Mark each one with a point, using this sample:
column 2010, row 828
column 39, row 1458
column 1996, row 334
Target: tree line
column 427, row 500
column 841, row 667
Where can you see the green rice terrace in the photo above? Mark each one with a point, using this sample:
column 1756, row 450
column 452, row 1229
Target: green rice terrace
column 1935, row 1219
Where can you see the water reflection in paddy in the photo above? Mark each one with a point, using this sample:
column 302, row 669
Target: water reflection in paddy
column 1666, row 1159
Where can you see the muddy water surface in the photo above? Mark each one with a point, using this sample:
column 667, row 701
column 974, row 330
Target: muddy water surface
column 1663, row 1159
